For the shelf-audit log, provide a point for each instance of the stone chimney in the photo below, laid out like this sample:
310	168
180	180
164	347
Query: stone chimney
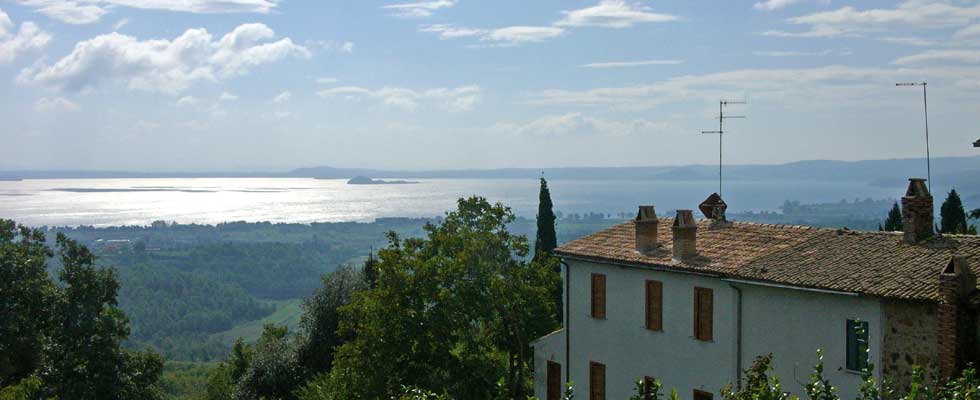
646	230
956	283
685	231
917	212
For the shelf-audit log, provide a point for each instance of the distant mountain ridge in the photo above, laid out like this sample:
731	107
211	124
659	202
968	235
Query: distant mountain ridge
871	171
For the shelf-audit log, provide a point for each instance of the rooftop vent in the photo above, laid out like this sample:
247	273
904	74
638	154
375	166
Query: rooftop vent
917	212
646	230
685	230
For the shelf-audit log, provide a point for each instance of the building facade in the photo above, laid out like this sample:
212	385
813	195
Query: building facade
693	303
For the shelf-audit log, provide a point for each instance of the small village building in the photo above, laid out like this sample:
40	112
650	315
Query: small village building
694	302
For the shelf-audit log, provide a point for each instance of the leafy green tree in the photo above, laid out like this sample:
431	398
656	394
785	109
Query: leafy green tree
453	312
26	293
757	383
371	270
951	214
546	241
274	372
321	318
84	358
894	221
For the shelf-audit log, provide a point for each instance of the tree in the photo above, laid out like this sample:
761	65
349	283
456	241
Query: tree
26	292
274	372
371	270
951	214
85	358
546	241
453	312
894	221
321	318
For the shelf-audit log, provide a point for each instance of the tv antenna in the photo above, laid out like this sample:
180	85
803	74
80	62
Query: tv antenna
721	132
925	108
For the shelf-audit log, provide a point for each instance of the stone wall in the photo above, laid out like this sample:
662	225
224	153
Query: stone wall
909	339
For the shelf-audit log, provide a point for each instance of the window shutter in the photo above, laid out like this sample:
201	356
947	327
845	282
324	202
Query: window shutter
701	395
554	381
655	305
857	345
597	381
598	296
703	314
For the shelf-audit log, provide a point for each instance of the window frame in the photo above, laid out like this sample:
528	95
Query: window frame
702	333
856	357
598	296
654	309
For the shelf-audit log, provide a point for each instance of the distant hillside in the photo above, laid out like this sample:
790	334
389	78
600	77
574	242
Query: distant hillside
962	170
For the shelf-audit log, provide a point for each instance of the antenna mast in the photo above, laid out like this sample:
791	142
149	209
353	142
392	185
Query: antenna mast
925	109
721	132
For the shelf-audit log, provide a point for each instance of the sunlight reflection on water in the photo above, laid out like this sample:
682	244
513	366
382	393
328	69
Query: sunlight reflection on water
107	202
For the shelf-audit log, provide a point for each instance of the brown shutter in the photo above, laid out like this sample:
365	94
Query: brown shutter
701	395
703	314
554	381
655	305
598	296
597	381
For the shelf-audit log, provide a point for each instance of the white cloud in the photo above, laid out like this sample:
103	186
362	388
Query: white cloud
916	14
326	80
944	56
29	37
452	32
909	41
54	104
770	5
187	101
829	85
90	11
159	65
283	97
333	46
620	64
462	98
120	24
419	9
576	124
613	14
969	32
507	36
225	96
522	34
793	53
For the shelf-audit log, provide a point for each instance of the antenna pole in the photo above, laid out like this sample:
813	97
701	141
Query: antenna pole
721	132
925	109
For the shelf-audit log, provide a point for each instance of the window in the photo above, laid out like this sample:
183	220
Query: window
701	395
597	381
598	296
857	345
703	310
554	381
655	305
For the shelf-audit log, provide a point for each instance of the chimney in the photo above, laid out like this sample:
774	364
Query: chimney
646	230
917	212
713	208
685	231
956	282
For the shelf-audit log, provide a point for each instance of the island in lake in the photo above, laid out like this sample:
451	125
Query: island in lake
363	180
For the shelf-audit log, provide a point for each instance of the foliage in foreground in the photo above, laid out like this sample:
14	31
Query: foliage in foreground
63	339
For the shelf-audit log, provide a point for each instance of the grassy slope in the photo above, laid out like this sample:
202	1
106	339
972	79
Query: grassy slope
287	313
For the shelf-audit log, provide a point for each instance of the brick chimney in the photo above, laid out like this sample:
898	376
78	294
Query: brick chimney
646	230
956	282
685	231
917	212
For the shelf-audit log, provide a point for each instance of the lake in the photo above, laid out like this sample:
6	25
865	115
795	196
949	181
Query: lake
109	202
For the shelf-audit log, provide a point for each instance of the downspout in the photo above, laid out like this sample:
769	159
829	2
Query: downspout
568	309
738	334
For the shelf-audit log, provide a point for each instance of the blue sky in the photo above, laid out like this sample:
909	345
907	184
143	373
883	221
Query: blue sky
276	84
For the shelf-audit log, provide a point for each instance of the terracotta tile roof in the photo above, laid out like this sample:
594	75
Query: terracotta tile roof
872	263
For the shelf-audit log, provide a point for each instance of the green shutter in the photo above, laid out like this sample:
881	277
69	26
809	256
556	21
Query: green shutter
857	345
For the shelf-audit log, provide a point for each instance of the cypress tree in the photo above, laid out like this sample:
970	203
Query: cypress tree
546	241
371	270
952	217
894	221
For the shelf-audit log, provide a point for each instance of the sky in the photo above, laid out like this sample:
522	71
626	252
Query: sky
246	85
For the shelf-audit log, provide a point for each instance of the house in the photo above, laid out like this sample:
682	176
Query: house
694	302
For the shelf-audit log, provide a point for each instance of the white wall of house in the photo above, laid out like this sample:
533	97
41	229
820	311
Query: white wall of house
548	348
789	323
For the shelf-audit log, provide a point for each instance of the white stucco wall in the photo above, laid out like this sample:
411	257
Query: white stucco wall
547	348
789	323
